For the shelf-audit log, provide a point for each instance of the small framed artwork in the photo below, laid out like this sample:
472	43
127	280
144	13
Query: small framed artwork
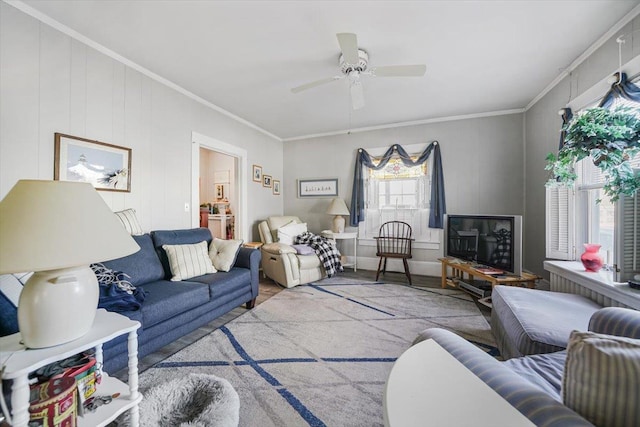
318	187
257	173
266	181
105	166
219	191
276	187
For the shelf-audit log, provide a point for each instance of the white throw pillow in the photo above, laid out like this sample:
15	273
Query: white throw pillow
129	221
187	261
223	253
289	231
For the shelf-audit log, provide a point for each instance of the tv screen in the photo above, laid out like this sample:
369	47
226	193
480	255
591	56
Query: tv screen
488	240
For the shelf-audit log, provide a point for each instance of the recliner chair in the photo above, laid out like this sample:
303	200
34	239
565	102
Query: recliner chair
281	262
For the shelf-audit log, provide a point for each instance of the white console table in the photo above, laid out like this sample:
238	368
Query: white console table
218	225
20	361
428	386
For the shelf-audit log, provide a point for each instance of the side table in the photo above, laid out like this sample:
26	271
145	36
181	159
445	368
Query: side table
20	361
346	236
253	245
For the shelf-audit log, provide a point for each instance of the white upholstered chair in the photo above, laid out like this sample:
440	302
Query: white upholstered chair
281	262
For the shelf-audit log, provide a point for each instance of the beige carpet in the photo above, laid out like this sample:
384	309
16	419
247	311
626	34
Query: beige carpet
320	354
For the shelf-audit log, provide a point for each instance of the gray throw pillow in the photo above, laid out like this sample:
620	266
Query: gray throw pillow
601	378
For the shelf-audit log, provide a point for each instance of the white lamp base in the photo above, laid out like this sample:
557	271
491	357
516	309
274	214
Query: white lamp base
57	306
338	224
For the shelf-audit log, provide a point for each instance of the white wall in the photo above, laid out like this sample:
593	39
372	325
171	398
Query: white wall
543	132
50	82
483	163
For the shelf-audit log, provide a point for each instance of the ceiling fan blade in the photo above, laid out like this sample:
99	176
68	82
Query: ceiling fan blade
349	47
316	83
357	95
400	71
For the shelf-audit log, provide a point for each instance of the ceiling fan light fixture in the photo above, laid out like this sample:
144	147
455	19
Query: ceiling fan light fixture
363	62
354	63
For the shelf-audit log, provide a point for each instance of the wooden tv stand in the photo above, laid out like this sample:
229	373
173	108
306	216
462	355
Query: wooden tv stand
459	268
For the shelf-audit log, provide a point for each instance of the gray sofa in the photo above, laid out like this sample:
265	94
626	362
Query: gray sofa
533	383
173	309
170	309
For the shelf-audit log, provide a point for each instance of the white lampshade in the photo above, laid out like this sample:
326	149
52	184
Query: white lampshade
57	229
338	208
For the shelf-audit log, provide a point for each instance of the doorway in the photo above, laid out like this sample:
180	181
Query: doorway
219	172
218	193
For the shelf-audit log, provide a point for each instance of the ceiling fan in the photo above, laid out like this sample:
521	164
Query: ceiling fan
354	64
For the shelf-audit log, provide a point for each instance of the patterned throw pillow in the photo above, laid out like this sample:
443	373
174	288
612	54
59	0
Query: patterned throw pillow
187	261
601	378
129	221
223	253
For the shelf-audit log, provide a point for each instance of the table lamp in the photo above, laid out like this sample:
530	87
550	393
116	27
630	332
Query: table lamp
338	208
56	229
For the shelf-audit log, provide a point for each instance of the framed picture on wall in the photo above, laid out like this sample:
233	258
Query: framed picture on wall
105	166
318	187
276	187
257	173
266	181
219	191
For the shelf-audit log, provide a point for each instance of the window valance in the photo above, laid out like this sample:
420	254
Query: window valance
364	159
623	89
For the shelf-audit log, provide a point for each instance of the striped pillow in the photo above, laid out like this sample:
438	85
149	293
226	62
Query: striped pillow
601	378
129	221
187	261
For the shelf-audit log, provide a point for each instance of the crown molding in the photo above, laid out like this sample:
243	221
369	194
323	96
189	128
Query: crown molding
410	123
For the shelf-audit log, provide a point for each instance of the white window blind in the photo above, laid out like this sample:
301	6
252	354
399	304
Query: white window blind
560	226
628	238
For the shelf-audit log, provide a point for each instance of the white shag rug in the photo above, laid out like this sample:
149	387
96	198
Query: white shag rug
194	400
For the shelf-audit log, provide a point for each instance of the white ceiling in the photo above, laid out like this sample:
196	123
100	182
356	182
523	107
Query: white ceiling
245	56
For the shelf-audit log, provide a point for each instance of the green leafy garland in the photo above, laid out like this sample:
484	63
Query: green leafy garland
610	138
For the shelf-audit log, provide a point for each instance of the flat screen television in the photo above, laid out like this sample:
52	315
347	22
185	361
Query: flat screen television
488	240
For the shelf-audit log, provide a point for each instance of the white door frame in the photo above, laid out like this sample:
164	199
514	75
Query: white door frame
203	141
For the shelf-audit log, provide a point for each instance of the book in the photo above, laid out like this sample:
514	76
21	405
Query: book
489	270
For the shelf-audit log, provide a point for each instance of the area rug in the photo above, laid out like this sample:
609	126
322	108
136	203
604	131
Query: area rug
320	354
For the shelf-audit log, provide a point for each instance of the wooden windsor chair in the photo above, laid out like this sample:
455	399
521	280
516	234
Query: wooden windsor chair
394	241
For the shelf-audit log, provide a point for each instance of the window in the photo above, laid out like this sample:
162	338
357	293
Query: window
615	226
398	193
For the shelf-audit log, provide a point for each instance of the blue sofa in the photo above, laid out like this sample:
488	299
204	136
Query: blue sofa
533	384
173	309
170	309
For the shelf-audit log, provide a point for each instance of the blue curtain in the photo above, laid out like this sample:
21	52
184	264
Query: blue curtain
622	88
567	115
363	159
